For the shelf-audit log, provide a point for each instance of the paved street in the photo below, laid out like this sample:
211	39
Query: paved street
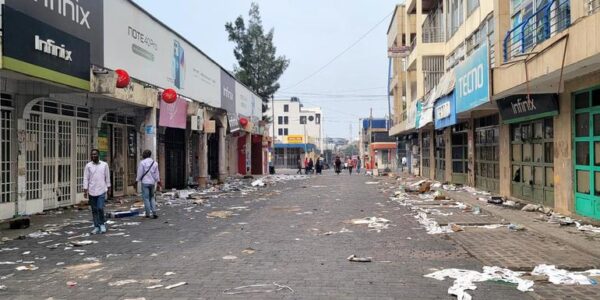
283	229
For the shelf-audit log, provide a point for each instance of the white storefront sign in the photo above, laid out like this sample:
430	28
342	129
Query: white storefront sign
152	53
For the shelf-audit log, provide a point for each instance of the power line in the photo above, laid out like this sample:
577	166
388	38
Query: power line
340	54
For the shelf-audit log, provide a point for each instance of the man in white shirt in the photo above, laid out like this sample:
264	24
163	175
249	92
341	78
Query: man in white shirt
149	176
96	182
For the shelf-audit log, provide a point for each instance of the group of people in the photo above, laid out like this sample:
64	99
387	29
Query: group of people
309	166
96	186
350	165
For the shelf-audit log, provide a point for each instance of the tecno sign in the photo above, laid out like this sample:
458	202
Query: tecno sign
472	85
471	81
49	47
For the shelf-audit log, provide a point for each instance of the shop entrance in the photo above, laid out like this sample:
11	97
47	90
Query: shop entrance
174	141
440	156
213	155
57	149
257	155
460	154
587	153
487	169
532	161
7	183
117	143
241	148
425	153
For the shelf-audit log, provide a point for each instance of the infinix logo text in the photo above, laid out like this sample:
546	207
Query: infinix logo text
48	46
68	9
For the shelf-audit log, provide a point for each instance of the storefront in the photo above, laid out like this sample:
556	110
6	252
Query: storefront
172	143
440	156
445	116
532	145
487	156
586	141
117	143
460	153
7	167
425	153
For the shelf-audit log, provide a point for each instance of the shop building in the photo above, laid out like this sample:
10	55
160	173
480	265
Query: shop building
377	149
519	117
298	132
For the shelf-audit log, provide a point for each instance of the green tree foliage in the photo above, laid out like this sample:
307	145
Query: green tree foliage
258	66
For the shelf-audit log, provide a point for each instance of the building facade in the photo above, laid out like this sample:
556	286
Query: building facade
298	131
377	150
513	81
61	97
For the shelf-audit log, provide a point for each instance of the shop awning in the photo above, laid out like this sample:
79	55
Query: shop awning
445	85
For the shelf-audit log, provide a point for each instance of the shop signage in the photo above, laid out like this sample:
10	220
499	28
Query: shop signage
444	111
472	80
38	49
228	93
519	108
154	54
82	19
174	114
295	139
234	123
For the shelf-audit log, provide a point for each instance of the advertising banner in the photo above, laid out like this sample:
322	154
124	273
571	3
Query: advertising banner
35	48
174	114
519	108
445	111
82	19
243	100
228	93
472	80
154	54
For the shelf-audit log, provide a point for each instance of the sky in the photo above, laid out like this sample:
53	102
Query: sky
311	33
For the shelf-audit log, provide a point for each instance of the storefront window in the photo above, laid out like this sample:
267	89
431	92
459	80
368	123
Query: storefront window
582	124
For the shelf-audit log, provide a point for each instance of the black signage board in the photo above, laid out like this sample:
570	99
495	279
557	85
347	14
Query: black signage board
38	49
80	18
518	108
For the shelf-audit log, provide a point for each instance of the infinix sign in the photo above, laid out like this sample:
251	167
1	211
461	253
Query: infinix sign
48	46
68	9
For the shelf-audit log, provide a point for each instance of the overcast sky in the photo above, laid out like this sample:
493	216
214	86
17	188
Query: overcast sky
310	33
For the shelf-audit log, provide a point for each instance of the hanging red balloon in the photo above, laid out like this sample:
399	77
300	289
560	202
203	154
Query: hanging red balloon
243	122
169	95
122	78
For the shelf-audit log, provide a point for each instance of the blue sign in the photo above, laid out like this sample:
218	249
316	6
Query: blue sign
418	115
444	111
472	80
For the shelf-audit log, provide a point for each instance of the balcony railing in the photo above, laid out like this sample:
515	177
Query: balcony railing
593	6
549	20
433	35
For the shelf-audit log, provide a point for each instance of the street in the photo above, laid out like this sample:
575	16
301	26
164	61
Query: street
290	240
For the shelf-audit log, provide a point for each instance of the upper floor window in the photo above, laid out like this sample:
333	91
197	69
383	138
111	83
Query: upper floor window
286	120
286	108
285	131
280	131
280	120
472	5
318	119
302	119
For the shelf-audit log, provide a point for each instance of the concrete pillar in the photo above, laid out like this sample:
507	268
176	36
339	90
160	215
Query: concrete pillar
148	140
431	153
504	159
222	153
501	27
202	159
448	139
471	152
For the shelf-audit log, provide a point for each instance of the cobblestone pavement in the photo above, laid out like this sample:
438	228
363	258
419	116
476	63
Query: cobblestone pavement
297	234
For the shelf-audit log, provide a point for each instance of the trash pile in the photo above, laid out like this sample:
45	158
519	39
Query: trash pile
465	279
374	223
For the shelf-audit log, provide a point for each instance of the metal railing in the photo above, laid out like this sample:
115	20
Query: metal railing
433	34
546	22
593	6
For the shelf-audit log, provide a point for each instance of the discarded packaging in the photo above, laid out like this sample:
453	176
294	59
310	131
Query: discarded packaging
122	282
355	258
531	207
516	227
560	276
223	214
495	200
123	214
375	223
456	227
229	257
172	286
257	288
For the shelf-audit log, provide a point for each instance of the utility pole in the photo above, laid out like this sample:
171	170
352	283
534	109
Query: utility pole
273	140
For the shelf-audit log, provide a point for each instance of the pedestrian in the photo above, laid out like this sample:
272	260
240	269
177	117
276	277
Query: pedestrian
306	165
311	165
299	160
319	166
149	177
96	183
358	165
338	165
350	166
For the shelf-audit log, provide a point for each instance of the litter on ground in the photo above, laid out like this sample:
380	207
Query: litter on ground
257	288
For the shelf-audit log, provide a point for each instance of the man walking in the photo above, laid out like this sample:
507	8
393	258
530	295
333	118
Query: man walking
149	176
96	182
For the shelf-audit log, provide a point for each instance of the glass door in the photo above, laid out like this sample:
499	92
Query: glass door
587	153
440	156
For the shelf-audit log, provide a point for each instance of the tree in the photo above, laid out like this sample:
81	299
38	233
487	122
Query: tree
258	66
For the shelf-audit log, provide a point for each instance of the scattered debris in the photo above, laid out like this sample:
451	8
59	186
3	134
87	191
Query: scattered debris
456	227
560	276
26	268
71	283
82	243
495	200
248	251
172	286
122	282
355	258
257	288
531	207
375	223
154	286
516	227
229	257
258	182
223	214
2	287
590	228
372	182
169	273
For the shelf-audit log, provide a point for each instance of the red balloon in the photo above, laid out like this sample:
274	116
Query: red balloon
122	78
243	122
169	95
